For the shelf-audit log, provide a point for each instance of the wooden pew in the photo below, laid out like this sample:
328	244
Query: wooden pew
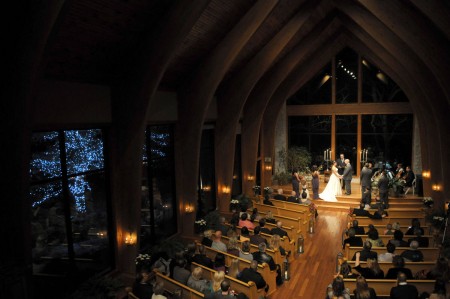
383	286
292	232
403	212
300	225
274	253
382	227
291	206
301	212
413	266
386	238
285	243
238	286
401	220
172	285
268	275
430	254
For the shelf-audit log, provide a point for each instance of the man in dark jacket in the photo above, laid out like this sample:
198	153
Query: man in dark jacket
413	254
366	253
262	225
403	290
293	198
352	240
202	259
280	195
423	241
383	188
279	231
251	274
365	178
256	237
359	230
262	257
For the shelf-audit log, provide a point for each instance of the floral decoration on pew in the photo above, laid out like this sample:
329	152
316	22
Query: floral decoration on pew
200	225
268	190
313	209
234	205
428	201
257	190
143	261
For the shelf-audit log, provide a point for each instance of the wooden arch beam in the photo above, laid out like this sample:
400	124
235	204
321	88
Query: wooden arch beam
437	12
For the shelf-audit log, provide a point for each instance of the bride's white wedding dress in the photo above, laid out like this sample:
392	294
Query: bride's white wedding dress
333	187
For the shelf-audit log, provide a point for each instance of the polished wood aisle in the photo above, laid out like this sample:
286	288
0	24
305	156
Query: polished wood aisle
312	271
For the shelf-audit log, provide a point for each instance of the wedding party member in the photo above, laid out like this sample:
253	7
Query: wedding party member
383	189
365	178
315	182
296	182
347	177
333	187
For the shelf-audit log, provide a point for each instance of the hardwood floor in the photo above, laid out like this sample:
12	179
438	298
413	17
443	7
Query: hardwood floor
313	270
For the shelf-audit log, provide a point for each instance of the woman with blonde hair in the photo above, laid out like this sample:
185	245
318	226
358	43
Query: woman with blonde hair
196	282
233	247
233	270
275	242
218	277
372	271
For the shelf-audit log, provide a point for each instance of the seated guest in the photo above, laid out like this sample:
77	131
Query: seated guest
279	195
387	257
304	189
233	247
304	198
375	239
251	274
362	290
371	228
267	201
180	273
366	253
143	287
217	279
217	242
219	262
379	213
337	289
279	231
262	257
413	254
345	270
398	240
389	230
207	237
223	227
275	242
396	226
399	266
223	292
255	215
415	224
361	212
158	291
245	234
256	237
179	255
201	258
245	222
269	218
233	270
234	220
197	282
423	241
440	270
359	230
403	290
352	240
244	253
293	198
366	197
372	271
262	225
190	252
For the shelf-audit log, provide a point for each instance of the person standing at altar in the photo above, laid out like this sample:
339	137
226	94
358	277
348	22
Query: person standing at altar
296	182
340	167
365	178
347	177
383	188
315	182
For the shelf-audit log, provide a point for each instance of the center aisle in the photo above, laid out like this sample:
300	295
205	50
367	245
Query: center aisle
313	270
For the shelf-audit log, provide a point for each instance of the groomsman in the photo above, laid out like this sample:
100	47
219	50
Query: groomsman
383	188
341	166
347	177
365	178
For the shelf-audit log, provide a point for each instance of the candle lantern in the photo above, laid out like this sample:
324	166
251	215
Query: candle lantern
311	226
287	275
300	244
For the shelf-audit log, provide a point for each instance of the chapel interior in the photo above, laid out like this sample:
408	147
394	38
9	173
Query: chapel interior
125	121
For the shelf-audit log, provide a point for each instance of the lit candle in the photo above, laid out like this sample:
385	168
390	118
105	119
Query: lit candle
324	157
360	155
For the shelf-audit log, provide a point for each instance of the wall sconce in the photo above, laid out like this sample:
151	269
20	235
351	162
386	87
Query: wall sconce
206	188
189	209
235	177
426	174
268	167
130	239
436	187
250	177
225	189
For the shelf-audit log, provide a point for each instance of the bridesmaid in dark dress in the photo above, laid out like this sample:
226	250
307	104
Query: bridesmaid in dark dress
296	183
315	182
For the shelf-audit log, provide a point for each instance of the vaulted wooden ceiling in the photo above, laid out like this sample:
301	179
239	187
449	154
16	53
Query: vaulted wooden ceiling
97	37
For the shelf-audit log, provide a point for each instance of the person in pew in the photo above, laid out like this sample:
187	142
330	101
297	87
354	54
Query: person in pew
398	240
372	271
440	290
255	215
371	229
267	201
374	238
217	242
279	195
189	253
423	241
201	258
275	242
197	282
366	196
245	222
403	290
399	266
143	286
218	277
269	217
304	199
396	226
389	255
234	220
207	237
245	234
337	289
232	246
219	262
293	198
244	253
366	253
389	230
224	292
440	270
362	290
279	231
415	224
352	240
256	237
262	225
345	270
413	254
251	274
233	270
222	226
359	230
262	257
158	291
180	273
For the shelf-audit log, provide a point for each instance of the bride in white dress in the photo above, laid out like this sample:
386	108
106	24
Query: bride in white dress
333	187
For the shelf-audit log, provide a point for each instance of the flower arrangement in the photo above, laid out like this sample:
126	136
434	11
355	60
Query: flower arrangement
428	201
268	190
143	260
257	190
200	226
350	212
234	204
201	222
438	221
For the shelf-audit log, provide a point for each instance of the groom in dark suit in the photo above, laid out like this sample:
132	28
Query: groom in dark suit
365	178
347	177
341	166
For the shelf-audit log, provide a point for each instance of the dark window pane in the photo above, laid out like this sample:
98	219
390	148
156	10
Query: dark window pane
379	87
45	160
346	76
207	194
84	150
346	137
315	91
